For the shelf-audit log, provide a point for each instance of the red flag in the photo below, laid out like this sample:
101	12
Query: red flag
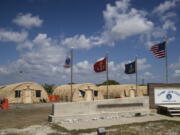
100	66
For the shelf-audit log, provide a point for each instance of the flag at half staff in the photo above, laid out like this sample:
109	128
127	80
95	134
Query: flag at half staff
130	68
159	50
100	66
67	62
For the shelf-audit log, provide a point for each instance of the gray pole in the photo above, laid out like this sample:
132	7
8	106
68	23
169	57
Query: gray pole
136	73
71	72
107	77
166	51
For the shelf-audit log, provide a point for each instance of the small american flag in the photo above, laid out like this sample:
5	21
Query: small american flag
159	50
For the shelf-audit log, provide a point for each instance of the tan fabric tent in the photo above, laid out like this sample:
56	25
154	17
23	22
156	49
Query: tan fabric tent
64	91
80	92
120	91
25	92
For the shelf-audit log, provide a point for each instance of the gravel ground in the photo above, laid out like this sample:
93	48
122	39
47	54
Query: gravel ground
23	115
95	123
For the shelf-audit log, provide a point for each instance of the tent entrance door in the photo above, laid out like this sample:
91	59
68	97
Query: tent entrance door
27	96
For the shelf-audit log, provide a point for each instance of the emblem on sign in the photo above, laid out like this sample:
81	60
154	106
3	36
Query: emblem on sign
169	96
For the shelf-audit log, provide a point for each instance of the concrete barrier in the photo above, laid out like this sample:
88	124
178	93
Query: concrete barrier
124	106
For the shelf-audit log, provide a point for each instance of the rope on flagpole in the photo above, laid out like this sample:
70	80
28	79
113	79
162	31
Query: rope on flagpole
136	73
71	73
107	77
166	61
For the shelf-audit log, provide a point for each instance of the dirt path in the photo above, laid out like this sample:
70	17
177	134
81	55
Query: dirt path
24	116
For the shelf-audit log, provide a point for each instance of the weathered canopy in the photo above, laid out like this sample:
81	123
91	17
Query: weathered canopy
25	92
80	92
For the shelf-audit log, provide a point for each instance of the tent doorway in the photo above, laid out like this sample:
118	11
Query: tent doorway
89	95
132	93
27	96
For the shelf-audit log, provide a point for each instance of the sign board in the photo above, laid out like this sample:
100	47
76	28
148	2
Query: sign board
167	95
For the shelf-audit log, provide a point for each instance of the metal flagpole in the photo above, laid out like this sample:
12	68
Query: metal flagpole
166	51
71	72
136	73
107	77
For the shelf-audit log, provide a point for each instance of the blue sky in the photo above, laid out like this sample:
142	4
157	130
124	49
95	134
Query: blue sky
36	36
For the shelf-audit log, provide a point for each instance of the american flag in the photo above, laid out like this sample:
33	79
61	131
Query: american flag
159	50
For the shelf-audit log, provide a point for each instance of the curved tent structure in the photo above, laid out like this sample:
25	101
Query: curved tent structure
80	92
64	91
25	92
120	91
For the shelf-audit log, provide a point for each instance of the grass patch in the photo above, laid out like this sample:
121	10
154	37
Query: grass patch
58	128
72	132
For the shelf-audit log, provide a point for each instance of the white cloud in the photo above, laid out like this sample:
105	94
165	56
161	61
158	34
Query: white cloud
169	25
147	74
174	69
142	64
175	65
27	20
45	50
164	25
11	36
147	77
3	70
26	44
168	15
167	5
44	58
176	73
122	21
83	67
43	61
42	40
78	41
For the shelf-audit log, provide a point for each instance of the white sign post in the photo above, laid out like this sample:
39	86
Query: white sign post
167	95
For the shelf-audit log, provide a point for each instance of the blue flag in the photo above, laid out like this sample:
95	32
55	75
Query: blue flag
67	62
130	68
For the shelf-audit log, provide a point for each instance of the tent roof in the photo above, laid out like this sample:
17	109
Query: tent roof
5	90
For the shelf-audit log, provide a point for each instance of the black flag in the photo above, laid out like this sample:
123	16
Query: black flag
130	68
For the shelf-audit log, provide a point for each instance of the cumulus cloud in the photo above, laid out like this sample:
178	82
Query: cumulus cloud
78	41
169	25
43	61
168	15
142	64
44	58
177	73
164	25
175	69
12	36
175	65
122	21
167	5
3	70
28	20
45	50
26	44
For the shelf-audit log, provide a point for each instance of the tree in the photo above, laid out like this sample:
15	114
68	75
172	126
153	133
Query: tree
49	88
110	82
